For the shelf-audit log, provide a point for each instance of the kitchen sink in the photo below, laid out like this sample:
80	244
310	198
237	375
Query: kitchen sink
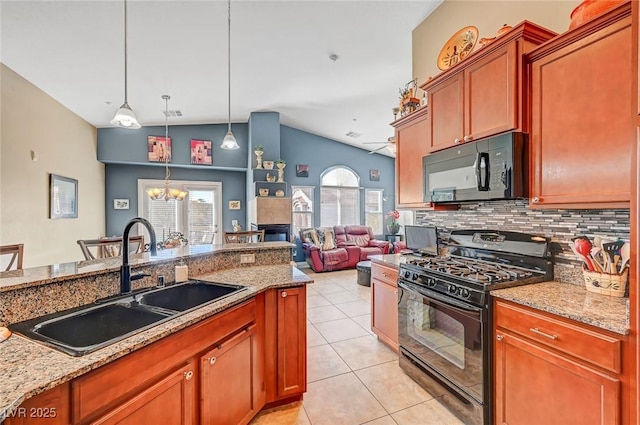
188	295
85	329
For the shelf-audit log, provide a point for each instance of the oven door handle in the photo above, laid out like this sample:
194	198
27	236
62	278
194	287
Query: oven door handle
449	302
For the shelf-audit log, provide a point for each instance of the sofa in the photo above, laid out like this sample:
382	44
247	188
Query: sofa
340	247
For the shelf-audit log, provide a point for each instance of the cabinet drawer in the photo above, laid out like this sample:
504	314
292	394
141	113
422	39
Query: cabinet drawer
385	274
587	345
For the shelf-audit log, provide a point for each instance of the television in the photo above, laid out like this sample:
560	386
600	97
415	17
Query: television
422	240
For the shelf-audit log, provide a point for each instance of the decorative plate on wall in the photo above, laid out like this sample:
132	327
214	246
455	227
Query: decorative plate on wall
457	47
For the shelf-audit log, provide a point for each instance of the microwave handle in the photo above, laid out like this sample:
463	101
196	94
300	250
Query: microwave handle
482	176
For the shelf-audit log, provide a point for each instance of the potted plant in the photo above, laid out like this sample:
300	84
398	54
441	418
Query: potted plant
393	227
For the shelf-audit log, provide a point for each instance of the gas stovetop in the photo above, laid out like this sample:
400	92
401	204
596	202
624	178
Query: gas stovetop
481	261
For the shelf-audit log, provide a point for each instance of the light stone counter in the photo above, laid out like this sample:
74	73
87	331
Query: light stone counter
572	302
29	368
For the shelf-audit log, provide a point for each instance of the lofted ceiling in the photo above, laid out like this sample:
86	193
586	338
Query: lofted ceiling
280	59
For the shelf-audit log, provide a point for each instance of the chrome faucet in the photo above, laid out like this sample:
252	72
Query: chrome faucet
125	269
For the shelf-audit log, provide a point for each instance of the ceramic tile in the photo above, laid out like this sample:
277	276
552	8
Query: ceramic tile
432	409
289	414
392	387
317	301
323	314
342	297
355	308
323	362
327	288
363	352
364	321
385	420
313	336
338	330
343	400
364	292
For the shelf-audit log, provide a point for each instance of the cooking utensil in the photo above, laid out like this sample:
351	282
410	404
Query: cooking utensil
596	254
625	254
613	250
583	248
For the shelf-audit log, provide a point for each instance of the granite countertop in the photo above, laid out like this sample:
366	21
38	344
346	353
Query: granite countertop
572	302
29	368
33	276
391	260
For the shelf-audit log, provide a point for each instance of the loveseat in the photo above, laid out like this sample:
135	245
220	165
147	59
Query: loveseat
339	247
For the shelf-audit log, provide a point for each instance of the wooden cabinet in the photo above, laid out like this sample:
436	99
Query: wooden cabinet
411	146
48	408
171	400
549	370
234	362
286	344
384	304
485	94
635	58
582	131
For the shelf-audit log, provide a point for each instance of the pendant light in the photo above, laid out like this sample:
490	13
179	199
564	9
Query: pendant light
125	117
166	193
229	141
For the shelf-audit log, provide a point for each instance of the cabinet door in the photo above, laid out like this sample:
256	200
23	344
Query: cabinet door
534	386
169	401
48	408
230	383
582	130
291	342
411	146
384	314
446	112
491	94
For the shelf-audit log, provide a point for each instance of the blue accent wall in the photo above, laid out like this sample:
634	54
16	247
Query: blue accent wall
320	153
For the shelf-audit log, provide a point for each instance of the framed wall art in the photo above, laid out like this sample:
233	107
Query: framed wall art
234	205
63	197
374	175
121	204
201	152
302	170
159	149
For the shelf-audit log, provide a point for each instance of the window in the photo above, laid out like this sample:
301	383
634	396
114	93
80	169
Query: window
301	207
373	210
197	217
339	197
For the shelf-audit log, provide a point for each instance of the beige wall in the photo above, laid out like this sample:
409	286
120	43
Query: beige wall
66	145
488	16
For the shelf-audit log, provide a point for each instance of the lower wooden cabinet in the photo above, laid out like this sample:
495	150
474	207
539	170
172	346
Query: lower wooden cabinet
541	376
384	304
235	363
48	408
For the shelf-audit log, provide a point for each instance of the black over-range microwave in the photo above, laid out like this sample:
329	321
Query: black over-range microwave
489	169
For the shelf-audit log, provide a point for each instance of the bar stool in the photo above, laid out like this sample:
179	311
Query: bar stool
109	247
244	237
16	251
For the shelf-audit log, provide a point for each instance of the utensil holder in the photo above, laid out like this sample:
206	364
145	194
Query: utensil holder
613	285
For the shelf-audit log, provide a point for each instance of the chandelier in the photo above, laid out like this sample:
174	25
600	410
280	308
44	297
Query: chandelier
229	141
166	193
125	117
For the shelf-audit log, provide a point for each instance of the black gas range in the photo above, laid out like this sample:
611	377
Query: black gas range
444	312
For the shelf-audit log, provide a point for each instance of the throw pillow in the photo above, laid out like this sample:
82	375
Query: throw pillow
310	235
327	238
360	240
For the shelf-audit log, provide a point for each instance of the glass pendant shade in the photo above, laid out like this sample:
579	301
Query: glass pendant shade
229	141
125	117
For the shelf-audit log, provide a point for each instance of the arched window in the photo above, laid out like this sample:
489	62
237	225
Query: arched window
339	197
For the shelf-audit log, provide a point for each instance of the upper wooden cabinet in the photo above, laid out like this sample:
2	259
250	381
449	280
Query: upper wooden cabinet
582	132
635	57
411	146
485	94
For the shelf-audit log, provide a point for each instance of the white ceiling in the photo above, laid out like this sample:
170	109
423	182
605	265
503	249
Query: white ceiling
74	51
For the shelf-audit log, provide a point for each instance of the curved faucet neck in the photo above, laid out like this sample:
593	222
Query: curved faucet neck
125	238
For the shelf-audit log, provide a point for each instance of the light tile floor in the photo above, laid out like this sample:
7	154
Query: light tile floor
352	378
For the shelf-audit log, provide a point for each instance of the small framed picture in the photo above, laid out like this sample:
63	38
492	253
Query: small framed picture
234	205
63	197
302	170
374	175
159	149
201	152
121	204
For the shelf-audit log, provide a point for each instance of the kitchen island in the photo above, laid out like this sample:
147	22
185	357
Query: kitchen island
275	294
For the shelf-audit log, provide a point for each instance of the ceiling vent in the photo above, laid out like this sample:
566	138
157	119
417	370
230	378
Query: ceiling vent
173	113
353	134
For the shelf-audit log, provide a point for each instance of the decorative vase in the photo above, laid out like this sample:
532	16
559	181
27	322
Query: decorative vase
589	9
281	166
259	158
393	229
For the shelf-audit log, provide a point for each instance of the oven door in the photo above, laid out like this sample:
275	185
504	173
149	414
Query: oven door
443	335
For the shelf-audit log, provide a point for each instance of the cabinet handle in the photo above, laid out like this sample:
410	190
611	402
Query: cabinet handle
212	360
188	375
456	140
468	138
535	200
395	292
284	294
546	335
499	337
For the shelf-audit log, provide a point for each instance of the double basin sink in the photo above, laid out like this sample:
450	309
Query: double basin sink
85	329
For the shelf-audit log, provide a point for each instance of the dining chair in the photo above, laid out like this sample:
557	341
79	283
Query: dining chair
248	236
16	251
109	247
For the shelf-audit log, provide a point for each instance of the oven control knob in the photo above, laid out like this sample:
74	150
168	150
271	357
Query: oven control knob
465	293
431	282
407	274
452	289
416	277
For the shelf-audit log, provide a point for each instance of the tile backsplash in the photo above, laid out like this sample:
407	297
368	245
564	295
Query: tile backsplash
516	216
